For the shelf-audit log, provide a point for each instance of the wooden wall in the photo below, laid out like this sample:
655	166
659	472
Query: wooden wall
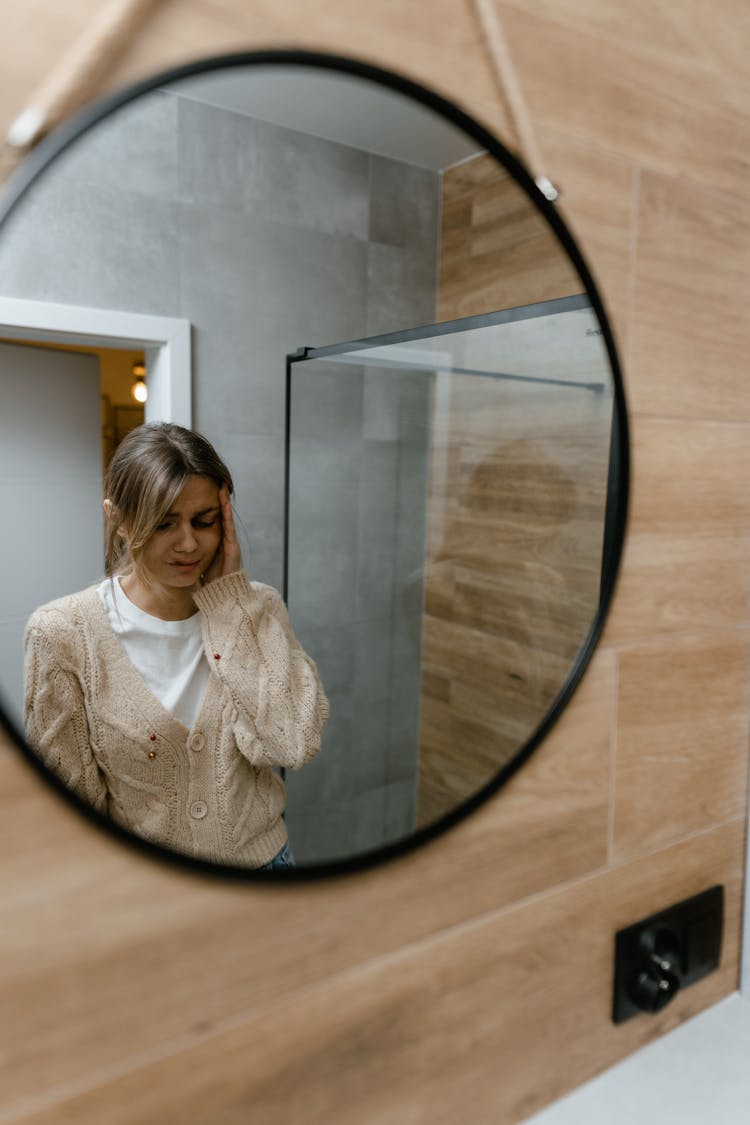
471	981
496	252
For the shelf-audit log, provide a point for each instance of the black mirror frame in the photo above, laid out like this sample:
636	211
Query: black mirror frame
616	518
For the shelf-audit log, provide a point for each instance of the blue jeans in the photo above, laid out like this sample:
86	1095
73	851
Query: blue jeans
284	858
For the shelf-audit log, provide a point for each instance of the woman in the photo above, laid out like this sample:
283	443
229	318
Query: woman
169	695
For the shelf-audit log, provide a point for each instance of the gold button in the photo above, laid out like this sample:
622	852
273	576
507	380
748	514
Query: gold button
152	754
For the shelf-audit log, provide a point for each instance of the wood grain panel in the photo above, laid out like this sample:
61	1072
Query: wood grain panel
656	93
701	45
689	534
515	511
683	725
423	1030
511	588
691	336
106	955
138	993
680	584
686	477
599	200
496	251
36	34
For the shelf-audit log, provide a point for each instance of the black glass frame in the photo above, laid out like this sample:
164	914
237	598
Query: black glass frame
44	155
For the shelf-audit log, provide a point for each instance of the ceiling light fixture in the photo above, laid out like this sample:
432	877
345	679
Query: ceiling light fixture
139	390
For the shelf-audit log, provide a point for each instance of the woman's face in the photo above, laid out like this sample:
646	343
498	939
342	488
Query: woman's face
185	542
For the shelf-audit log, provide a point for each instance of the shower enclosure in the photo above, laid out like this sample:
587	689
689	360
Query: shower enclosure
447	496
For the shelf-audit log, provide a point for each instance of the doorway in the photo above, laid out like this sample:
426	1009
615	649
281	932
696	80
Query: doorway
53	446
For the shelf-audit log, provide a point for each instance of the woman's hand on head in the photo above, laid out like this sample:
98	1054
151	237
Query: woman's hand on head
227	558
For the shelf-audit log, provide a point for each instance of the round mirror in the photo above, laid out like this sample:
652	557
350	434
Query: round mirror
401	370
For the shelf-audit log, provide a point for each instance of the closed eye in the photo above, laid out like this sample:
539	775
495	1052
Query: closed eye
196	523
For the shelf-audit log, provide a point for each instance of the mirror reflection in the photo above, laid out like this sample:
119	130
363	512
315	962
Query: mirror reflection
450	582
405	406
169	695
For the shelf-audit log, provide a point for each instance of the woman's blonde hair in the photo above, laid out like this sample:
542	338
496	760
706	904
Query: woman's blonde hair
149	469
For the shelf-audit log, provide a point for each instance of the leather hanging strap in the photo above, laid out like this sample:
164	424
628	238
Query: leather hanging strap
506	77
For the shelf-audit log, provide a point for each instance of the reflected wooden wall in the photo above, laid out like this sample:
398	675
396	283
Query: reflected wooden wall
516	504
514	549
494	251
470	981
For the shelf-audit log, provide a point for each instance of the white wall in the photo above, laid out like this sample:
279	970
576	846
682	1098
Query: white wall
50	491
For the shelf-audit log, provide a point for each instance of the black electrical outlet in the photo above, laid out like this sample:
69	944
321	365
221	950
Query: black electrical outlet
659	955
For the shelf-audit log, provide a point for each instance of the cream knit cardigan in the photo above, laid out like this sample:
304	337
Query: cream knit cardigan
210	791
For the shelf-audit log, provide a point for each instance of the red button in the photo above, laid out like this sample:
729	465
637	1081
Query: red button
217	656
152	737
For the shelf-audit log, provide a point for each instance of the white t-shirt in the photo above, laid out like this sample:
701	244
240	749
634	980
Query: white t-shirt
168	654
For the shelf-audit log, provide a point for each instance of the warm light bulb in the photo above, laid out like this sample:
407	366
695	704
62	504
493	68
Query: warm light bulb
139	390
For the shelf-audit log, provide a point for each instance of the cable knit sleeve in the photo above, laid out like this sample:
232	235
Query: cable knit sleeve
54	711
279	703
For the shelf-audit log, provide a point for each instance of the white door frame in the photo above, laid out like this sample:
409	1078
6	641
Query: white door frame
164	339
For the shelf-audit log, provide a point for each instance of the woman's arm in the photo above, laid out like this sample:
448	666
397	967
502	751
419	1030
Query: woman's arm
55	716
281	708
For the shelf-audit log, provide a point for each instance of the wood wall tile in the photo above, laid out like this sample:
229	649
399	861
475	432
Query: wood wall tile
135	953
682	739
685	564
700	46
640	94
555	810
496	250
686	477
691	334
680	584
463	1027
598	200
516	500
38	33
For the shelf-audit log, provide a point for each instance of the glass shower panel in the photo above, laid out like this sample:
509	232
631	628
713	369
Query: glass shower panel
447	497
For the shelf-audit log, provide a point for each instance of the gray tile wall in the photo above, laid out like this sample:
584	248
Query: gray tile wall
267	239
360	443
